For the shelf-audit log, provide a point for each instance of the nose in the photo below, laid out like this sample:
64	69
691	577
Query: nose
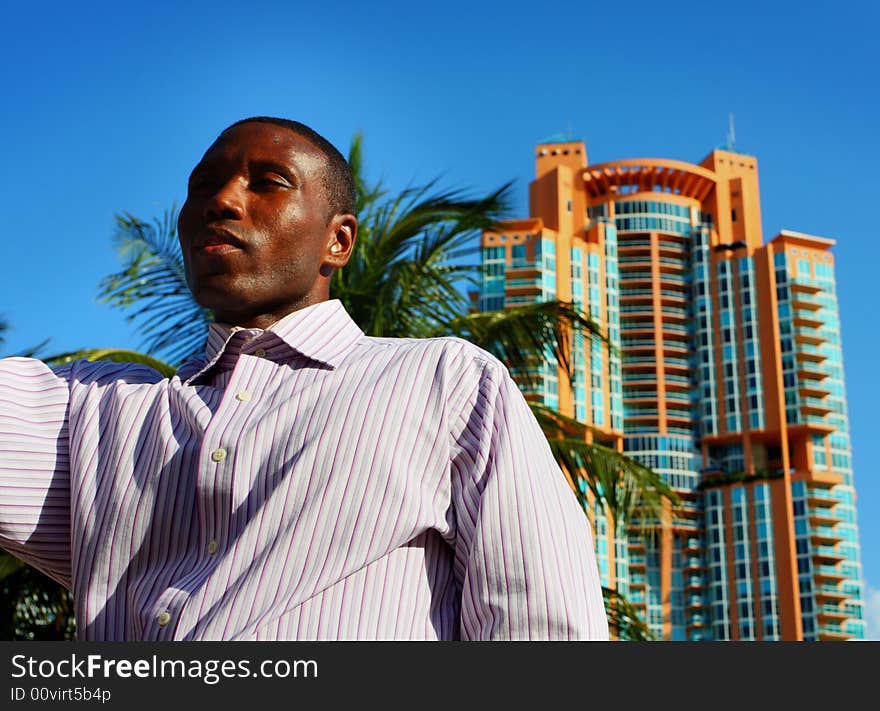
226	203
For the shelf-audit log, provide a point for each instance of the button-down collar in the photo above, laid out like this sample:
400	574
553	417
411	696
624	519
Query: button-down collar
323	332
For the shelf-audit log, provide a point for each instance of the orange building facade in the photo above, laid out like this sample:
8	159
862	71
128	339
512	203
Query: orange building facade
727	380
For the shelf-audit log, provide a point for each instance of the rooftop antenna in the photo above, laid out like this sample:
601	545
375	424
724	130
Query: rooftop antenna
731	134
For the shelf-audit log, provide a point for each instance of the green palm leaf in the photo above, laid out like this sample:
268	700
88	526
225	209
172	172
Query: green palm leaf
8	564
152	288
623	618
414	254
633	493
523	336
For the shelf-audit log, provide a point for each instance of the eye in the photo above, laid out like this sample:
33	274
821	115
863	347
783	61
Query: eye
270	180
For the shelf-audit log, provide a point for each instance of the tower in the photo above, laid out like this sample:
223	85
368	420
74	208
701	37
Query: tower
728	381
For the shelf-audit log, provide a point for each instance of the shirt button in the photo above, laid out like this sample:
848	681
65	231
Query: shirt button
163	618
218	455
243	396
260	353
213	547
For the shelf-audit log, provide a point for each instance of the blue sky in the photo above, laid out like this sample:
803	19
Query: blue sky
107	108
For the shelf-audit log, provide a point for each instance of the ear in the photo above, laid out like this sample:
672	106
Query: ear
341	234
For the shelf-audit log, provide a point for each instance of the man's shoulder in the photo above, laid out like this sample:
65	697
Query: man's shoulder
103	372
447	348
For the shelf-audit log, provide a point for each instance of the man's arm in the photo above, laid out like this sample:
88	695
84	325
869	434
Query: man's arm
34	466
524	552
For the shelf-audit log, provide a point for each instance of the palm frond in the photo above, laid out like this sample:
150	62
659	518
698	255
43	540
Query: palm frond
633	493
405	275
152	288
9	564
523	336
623	618
366	195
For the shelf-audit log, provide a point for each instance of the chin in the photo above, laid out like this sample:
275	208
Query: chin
221	299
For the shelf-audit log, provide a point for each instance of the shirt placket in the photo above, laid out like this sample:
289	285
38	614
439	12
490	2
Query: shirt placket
218	481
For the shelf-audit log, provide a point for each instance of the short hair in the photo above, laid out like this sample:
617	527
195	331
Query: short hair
338	180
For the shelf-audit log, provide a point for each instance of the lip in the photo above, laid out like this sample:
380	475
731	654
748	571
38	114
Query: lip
217	240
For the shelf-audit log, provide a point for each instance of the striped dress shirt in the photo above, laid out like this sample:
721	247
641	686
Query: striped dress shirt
302	482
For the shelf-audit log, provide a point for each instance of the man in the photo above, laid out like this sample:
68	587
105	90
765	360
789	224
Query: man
302	481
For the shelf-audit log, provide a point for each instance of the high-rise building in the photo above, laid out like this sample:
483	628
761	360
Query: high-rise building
728	380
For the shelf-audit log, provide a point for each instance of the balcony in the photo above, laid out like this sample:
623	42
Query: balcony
639	399
636	379
675	348
809	369
689	508
636	296
676	365
817	497
812	389
671	298
639	278
634	247
826	554
522	285
673	249
815	406
808	336
802	301
830	593
635	256
807	321
677	333
638	328
825	536
813	357
679	397
674	315
678	389
675	266
831	612
685	525
694	583
637	312
640	363
802	287
675	328
822	517
639	345
828	572
828	635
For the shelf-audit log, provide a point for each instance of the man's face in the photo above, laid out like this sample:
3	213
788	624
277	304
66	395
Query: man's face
257	238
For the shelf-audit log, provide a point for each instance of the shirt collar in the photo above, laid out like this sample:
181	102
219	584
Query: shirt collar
323	332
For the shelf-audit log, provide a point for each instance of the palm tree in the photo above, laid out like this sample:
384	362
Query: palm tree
152	288
415	256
